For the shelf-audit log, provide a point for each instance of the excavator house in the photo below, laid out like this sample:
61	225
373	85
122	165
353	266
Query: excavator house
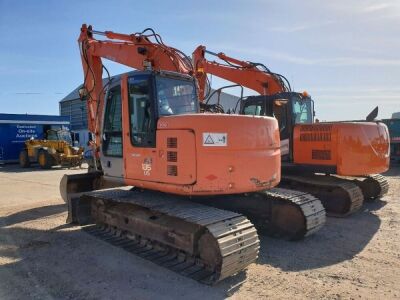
351	153
153	149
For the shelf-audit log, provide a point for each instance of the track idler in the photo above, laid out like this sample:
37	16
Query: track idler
373	187
73	186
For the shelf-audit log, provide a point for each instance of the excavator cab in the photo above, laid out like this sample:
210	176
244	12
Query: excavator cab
288	108
149	96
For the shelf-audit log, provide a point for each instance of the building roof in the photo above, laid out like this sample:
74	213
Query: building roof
34	119
74	95
396	115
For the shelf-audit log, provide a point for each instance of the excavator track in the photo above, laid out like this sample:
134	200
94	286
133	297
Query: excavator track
311	207
204	243
340	197
276	212
373	186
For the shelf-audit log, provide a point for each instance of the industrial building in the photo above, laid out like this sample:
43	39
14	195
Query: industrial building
72	107
15	129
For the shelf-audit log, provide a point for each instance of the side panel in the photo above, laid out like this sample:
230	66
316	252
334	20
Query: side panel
172	161
234	154
355	149
315	144
177	158
363	148
13	137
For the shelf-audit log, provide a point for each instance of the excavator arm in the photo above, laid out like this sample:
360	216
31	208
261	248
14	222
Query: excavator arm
135	50
244	73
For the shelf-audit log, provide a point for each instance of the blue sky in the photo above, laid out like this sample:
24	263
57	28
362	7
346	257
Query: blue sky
346	54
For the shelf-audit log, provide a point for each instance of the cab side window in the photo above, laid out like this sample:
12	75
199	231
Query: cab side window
112	130
253	109
141	111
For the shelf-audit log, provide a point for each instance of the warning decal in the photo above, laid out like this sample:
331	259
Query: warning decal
212	139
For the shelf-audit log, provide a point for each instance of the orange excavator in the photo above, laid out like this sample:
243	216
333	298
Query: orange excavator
335	161
154	151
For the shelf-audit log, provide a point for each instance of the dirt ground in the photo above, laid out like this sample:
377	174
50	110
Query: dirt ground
43	258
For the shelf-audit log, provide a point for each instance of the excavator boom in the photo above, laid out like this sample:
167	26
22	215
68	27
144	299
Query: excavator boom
240	72
135	50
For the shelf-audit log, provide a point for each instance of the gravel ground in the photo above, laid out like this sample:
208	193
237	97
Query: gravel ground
43	258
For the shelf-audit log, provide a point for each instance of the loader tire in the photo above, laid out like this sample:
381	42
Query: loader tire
45	160
24	159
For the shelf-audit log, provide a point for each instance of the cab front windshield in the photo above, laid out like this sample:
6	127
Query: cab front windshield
175	96
302	110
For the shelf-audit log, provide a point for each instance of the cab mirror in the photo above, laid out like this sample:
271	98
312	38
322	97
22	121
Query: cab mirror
83	93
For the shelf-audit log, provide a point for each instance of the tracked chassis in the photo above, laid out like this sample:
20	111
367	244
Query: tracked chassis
340	197
201	242
276	212
373	186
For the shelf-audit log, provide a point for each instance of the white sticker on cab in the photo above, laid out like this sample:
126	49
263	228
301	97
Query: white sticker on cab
213	139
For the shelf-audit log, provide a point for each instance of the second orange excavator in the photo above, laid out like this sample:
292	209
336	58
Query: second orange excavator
352	153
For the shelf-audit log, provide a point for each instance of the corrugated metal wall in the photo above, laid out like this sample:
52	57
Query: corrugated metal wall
76	110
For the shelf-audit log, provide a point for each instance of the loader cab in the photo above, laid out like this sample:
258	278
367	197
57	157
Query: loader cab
288	108
134	103
59	135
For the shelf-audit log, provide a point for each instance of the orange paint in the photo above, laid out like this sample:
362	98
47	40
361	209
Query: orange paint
357	148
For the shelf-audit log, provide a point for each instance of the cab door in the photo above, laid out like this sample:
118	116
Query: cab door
165	155
140	154
111	147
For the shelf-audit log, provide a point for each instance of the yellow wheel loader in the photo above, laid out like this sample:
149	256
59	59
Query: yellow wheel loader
55	149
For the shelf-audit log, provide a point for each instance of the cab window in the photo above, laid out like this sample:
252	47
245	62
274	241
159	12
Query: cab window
112	130
141	112
302	111
253	109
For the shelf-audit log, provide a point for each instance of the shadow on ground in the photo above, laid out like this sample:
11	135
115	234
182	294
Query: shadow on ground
32	214
340	240
65	263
